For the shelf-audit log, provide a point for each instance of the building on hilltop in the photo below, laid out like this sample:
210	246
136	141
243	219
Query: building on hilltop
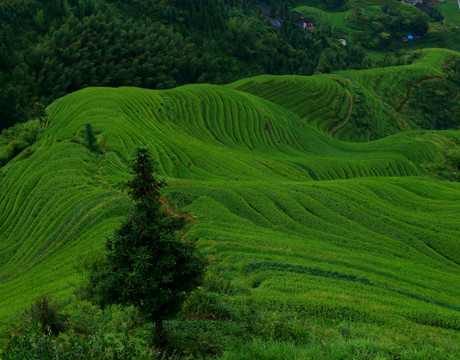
274	22
306	23
303	23
265	11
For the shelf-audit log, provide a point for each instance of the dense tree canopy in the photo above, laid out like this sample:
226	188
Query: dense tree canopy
53	47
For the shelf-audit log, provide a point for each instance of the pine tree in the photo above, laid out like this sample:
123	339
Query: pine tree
147	265
39	111
90	138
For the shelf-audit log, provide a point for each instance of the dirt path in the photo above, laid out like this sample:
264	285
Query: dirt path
170	211
447	64
347	117
409	86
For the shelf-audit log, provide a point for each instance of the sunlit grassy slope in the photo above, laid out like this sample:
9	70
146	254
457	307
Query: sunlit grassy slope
303	222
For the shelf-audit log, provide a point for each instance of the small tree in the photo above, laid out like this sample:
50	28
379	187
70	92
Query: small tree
147	265
90	137
39	111
47	314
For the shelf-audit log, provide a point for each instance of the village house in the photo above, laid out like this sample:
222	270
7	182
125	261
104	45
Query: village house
273	21
304	23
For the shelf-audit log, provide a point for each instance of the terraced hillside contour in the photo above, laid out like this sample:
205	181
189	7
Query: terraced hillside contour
304	223
326	101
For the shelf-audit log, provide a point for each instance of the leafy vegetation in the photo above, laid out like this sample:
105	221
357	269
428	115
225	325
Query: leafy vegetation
17	138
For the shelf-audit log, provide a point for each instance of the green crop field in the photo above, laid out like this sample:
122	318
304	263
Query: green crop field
324	18
326	101
450	10
299	227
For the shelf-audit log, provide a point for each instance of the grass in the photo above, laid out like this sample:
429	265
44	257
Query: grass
307	232
450	10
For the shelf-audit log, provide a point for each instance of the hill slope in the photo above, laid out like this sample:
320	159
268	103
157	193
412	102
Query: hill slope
360	105
293	221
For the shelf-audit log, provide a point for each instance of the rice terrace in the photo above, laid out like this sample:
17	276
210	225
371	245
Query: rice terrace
326	208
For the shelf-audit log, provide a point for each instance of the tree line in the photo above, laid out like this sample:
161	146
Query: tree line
53	47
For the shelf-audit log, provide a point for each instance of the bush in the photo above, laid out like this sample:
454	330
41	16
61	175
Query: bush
90	138
34	344
47	315
206	305
16	139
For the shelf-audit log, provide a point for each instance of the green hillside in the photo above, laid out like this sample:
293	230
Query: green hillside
360	105
314	237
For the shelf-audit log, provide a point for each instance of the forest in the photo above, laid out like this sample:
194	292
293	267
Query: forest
54	47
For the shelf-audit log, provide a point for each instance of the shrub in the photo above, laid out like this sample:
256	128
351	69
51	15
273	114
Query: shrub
47	315
90	137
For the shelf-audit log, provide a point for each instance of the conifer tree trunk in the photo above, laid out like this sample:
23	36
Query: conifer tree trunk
160	332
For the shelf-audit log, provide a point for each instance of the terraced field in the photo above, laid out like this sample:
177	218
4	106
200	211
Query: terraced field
335	20
298	222
451	11
325	101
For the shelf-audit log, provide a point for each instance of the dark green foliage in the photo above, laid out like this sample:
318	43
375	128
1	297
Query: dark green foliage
434	104
419	25
361	115
273	9
204	304
47	315
378	28
147	265
17	138
38	111
180	199
90	137
204	339
33	344
89	334
453	158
